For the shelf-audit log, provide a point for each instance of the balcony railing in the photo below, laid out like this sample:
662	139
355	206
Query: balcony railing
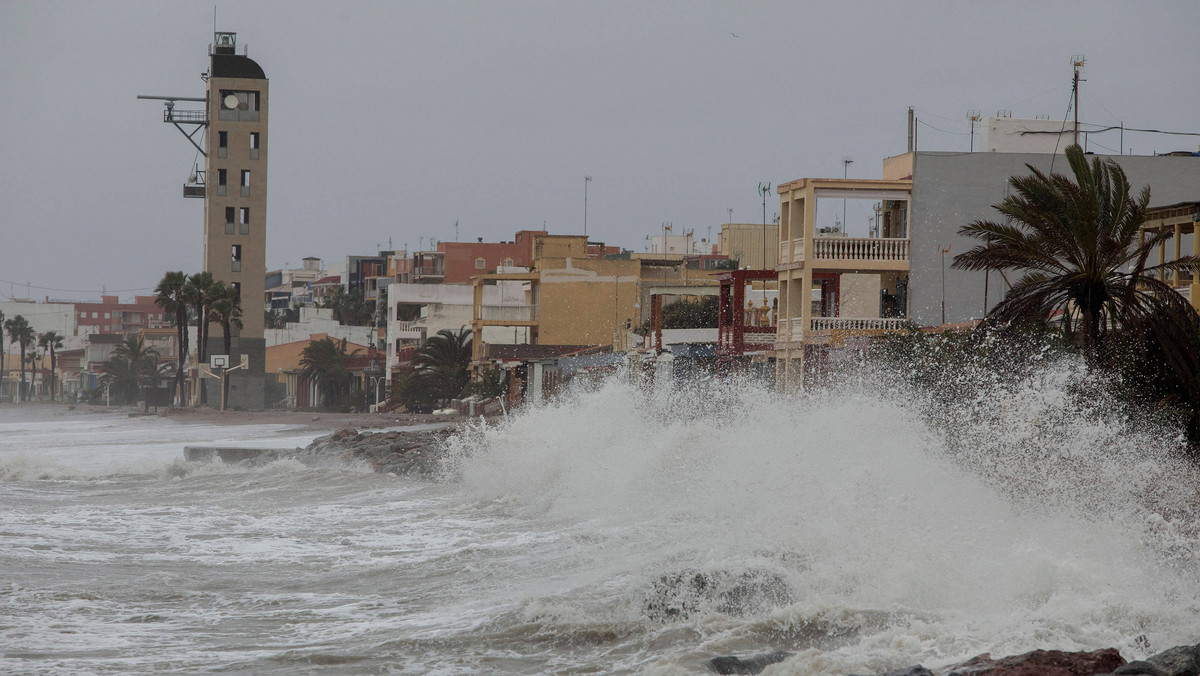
185	116
857	324
860	249
508	313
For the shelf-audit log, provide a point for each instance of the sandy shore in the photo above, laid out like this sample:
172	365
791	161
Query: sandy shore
309	419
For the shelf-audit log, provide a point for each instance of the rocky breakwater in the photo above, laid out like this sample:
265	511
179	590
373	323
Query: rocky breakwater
407	453
1178	661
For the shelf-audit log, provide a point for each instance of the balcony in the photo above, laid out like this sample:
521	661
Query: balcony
857	324
185	116
508	313
860	249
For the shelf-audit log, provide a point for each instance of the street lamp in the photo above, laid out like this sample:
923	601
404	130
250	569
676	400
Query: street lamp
586	180
846	162
764	189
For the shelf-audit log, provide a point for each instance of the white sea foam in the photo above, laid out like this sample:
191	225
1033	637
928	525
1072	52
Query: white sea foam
618	530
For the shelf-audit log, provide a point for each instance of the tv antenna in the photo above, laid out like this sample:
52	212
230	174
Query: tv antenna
973	116
1077	62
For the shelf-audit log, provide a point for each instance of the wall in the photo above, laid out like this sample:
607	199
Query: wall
585	300
860	295
952	189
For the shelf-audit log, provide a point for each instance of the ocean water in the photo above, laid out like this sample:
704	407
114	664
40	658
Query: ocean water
616	531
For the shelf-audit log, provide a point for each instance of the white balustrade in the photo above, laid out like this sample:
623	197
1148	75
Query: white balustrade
857	324
860	248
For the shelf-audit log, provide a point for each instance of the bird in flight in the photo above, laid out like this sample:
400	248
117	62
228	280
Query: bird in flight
734	34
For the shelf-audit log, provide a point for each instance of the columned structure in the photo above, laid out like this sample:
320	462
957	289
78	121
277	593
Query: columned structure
832	285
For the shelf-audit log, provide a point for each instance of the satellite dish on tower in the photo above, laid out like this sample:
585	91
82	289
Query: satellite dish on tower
231	101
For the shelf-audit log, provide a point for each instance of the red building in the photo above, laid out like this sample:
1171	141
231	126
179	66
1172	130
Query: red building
112	316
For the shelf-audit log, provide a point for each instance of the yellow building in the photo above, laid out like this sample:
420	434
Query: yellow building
1180	220
753	245
574	300
832	285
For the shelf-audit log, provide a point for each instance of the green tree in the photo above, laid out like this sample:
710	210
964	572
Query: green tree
324	362
442	365
21	333
131	367
172	298
51	342
1077	244
1083	257
199	290
687	314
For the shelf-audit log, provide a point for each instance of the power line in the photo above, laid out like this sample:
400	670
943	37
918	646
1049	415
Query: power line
50	288
944	131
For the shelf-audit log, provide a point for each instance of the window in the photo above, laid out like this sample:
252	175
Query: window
245	183
222	144
244	226
221	177
480	264
254	145
236	256
238	106
508	262
108	315
230	218
237	289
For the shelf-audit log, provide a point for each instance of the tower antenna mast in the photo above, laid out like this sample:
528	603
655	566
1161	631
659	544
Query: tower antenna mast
1077	62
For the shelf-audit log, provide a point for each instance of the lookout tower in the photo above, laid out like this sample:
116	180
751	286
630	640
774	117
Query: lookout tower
233	185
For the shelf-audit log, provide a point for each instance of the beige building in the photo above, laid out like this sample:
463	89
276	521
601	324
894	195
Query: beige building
753	245
574	300
1180	221
832	285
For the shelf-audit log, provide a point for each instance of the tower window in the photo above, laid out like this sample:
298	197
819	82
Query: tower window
222	176
236	258
254	145
222	144
245	183
230	217
237	289
238	105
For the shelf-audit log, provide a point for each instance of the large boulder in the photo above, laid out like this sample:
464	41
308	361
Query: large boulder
750	665
1181	660
1041	663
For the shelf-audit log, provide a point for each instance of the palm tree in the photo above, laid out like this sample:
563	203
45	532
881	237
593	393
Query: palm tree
1077	243
20	332
442	364
324	362
172	297
51	342
226	310
131	366
199	289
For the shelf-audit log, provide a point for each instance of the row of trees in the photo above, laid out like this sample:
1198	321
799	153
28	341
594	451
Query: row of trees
21	333
203	300
440	371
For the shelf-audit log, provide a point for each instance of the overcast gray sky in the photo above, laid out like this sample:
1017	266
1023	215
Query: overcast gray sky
393	120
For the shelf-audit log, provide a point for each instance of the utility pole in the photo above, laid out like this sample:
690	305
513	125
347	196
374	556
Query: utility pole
586	180
973	116
764	189
1077	62
846	162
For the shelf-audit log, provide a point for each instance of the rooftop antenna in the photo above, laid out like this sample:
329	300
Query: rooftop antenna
456	230
1077	62
973	116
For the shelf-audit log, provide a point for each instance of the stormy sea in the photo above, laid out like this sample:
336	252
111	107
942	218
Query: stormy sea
619	529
